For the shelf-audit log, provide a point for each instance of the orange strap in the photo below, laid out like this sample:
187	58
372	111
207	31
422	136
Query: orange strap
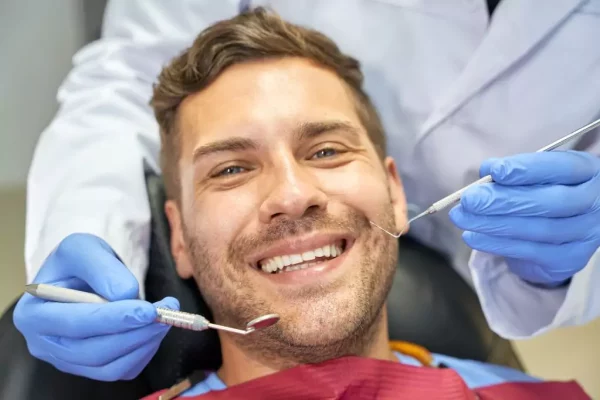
420	353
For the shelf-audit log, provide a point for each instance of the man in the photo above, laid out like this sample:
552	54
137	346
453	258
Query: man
274	161
456	83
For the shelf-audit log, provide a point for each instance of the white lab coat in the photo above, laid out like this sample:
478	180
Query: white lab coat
453	89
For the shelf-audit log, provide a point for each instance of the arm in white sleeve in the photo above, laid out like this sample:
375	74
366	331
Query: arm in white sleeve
516	309
87	173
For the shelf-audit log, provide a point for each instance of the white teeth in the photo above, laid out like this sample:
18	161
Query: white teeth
279	262
272	266
298	267
294	262
296	258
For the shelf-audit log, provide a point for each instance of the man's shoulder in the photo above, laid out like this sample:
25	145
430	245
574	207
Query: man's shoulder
477	374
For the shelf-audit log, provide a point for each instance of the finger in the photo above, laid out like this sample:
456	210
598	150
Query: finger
90	259
23	317
530	201
142	361
535	273
78	320
26	299
168	302
535	229
564	258
554	167
127	367
73	283
101	350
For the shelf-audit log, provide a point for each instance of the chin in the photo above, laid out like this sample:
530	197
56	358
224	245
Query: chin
331	318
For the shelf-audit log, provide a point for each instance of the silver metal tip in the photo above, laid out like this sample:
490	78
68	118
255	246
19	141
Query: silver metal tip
31	288
394	235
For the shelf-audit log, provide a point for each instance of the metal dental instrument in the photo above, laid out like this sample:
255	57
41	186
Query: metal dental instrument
455	197
166	316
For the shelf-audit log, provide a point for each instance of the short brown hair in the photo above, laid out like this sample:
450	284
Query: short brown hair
254	35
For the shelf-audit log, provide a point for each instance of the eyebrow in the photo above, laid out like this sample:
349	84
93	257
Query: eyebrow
305	131
225	145
311	130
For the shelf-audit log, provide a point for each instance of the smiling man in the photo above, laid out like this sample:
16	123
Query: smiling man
274	163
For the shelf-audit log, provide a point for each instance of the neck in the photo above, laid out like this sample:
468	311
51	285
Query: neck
240	366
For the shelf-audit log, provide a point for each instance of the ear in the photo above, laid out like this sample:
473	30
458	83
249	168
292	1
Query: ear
396	193
178	246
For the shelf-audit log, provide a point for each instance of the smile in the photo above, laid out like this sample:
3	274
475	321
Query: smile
298	261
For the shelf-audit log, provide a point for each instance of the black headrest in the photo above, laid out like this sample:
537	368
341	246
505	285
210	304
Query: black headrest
429	304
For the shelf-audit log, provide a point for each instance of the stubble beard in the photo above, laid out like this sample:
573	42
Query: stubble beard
328	325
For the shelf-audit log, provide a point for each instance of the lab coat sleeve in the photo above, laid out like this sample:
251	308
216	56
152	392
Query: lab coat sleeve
87	173
518	310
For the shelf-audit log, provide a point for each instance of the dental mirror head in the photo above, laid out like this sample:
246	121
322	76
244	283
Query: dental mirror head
262	322
256	324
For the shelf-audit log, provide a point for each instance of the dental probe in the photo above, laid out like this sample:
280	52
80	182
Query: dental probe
455	197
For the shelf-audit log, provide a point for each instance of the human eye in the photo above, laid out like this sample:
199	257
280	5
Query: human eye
231	170
325	153
330	155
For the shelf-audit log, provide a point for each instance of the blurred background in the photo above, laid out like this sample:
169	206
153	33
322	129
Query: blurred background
36	48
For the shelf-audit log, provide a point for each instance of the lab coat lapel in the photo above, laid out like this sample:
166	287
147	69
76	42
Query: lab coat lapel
512	35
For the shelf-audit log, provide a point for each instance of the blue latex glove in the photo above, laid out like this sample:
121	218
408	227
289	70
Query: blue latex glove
106	342
542	213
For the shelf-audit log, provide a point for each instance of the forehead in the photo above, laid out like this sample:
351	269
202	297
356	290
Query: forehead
264	98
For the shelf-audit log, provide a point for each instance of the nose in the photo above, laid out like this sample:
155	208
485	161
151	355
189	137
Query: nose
293	193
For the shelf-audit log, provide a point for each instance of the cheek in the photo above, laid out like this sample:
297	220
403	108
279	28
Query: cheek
220	216
358	186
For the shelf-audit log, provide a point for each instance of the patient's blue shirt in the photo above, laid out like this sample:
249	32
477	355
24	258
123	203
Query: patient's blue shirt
475	374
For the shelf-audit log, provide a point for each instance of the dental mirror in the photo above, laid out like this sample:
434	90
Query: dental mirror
262	322
256	324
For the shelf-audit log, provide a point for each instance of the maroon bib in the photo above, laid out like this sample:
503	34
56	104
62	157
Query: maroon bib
350	378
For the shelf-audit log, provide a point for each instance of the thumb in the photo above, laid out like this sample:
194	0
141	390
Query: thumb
486	166
168	302
93	261
107	275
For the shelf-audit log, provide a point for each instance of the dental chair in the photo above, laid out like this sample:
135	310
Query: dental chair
429	305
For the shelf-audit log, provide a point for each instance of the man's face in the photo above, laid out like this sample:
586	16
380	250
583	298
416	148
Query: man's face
279	181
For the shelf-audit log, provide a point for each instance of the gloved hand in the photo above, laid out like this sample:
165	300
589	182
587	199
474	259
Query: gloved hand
106	342
542	213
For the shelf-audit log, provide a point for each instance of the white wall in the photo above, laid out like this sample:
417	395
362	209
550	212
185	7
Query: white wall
37	41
